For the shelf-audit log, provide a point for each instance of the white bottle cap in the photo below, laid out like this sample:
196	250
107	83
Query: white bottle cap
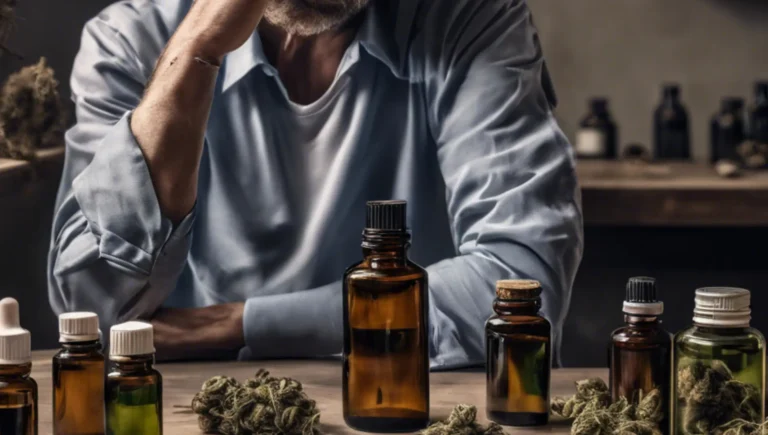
78	327
723	307
131	338
15	342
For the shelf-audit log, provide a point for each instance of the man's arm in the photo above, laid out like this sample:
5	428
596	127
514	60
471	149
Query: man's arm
124	212
512	193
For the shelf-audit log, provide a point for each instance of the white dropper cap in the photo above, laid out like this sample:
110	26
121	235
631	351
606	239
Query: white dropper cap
131	338
78	327
15	341
722	307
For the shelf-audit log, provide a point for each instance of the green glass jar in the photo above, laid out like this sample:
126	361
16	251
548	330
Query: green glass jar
719	364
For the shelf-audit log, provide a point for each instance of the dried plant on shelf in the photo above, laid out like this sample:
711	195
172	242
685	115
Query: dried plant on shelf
31	113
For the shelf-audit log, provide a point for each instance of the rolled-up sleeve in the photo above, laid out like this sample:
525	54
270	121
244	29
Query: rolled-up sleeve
112	250
512	193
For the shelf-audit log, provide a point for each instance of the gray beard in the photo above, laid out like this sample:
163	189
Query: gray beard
310	17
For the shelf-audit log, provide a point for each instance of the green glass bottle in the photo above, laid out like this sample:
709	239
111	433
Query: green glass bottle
719	364
134	389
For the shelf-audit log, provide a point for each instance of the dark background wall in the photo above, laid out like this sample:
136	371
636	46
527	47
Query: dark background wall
620	48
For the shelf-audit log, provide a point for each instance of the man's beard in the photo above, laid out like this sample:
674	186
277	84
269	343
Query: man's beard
310	17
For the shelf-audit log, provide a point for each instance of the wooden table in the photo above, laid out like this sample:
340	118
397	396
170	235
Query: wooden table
617	193
322	382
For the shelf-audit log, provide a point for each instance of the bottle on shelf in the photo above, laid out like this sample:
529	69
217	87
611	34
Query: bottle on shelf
18	391
727	130
78	377
518	356
758	115
641	351
719	357
670	130
134	389
597	137
386	357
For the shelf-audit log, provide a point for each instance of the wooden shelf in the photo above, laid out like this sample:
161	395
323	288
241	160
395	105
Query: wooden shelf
674	194
16	175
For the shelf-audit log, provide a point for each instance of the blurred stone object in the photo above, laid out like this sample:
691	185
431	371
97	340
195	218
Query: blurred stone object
754	154
636	152
31	113
727	168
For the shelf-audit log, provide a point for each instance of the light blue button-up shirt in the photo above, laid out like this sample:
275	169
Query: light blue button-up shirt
443	103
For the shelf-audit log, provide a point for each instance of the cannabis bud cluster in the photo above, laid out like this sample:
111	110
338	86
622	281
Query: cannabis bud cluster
263	405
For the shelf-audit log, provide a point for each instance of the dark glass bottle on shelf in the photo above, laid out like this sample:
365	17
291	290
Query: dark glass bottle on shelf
670	130
18	391
78	377
641	351
727	130
518	356
386	354
758	115
597	137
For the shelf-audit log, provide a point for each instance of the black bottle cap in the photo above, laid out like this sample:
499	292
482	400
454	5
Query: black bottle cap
386	215
641	289
672	90
599	104
732	104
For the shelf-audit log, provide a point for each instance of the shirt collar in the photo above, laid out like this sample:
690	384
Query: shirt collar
378	34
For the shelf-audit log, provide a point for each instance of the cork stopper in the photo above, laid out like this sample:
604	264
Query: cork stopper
517	289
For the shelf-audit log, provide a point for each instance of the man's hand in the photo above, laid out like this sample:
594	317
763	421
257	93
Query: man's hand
214	332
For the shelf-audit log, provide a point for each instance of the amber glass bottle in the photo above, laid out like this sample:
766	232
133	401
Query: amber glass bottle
18	391
518	352
640	352
78	377
134	389
386	361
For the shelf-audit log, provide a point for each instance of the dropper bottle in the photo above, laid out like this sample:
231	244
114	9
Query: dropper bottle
18	391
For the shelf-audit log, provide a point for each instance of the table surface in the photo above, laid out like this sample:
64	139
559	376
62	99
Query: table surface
322	382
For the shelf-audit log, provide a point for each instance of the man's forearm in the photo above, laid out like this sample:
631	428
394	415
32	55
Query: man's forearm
170	123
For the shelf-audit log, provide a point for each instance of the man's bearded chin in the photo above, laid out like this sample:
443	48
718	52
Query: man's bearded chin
310	17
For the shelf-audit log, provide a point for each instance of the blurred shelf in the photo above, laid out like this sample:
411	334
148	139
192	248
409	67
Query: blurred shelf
17	175
674	194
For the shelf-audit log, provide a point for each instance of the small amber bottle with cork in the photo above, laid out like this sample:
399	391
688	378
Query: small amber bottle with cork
78	377
641	351
386	360
518	351
18	391
134	389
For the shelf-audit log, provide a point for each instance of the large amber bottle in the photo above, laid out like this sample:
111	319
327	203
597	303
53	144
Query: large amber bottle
386	361
518	352
641	351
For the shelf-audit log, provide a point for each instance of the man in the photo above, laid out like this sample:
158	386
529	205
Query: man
216	179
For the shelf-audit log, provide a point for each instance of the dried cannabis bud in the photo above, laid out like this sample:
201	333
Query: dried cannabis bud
462	421
713	399
594	414
31	113
263	405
